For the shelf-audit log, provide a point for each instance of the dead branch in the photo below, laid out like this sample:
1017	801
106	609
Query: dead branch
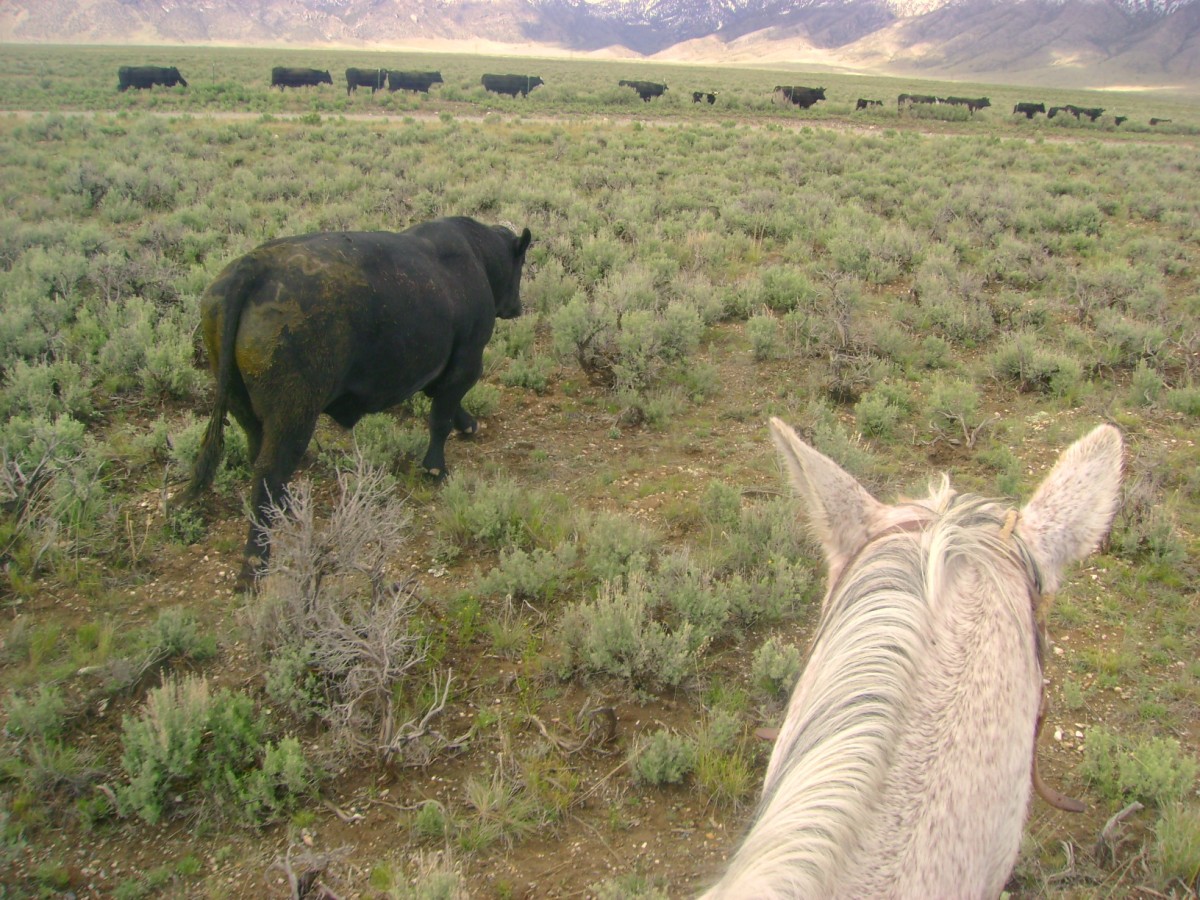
304	884
1110	838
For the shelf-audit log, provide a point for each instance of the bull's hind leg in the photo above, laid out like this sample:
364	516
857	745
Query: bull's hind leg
281	450
239	405
447	412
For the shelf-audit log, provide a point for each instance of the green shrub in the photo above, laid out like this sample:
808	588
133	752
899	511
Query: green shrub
632	886
1176	851
39	715
1145	386
497	514
504	811
293	683
665	758
192	750
1125	343
1151	769
689	594
46	390
772	594
621	344
776	667
531	373
536	575
727	778
615	545
430	821
174	635
880	410
387	445
1145	526
954	410
721	506
1029	368
616	635
1009	472
482	400
1184	400
783	288
763	333
764	534
935	353
550	288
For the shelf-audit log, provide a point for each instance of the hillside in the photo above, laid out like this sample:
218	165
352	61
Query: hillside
1076	43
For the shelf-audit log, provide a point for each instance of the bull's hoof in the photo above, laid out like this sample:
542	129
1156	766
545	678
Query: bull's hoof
248	577
437	475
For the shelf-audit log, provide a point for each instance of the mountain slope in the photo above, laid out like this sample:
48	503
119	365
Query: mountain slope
1138	39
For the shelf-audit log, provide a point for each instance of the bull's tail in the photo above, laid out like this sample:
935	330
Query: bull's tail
235	292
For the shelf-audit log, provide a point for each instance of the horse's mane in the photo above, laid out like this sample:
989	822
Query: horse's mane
878	624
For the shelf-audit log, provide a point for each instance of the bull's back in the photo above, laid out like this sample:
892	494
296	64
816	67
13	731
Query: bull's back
373	314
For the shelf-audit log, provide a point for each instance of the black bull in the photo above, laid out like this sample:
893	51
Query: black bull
296	76
413	81
349	323
142	77
368	78
510	84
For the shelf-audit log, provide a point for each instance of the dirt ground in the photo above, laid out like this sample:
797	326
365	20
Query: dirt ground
568	438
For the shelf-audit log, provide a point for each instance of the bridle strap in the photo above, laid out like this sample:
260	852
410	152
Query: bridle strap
1041	608
1040	604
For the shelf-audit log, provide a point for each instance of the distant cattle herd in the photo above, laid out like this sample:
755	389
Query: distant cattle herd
146	77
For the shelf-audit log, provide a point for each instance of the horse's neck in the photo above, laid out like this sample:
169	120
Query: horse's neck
966	739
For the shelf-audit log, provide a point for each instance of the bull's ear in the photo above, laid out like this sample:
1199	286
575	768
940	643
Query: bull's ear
523	242
1072	509
839	508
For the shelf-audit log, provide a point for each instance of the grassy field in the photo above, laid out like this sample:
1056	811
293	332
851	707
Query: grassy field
542	678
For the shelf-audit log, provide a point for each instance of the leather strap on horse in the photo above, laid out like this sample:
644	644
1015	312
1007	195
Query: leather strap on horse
1041	607
1057	799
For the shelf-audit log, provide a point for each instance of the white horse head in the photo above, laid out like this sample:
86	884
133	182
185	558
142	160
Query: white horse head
904	763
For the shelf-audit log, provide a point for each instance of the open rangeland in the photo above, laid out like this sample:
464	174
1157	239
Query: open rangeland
543	676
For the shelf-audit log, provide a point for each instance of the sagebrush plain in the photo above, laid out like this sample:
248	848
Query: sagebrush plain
542	677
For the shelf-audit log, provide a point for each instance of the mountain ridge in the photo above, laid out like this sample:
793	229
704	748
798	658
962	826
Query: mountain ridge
1155	42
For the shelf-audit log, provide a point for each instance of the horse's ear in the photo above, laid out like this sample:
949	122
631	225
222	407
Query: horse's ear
839	508
1072	509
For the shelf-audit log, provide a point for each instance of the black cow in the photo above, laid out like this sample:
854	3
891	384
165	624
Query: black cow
139	77
710	96
1117	120
417	82
971	103
863	104
910	99
803	97
289	76
1160	121
350	323
647	90
1092	113
370	78
510	84
1028	110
